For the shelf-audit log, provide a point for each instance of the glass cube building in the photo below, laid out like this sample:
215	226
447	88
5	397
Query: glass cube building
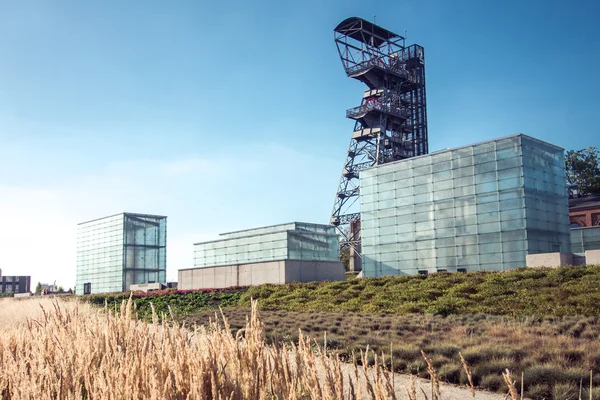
292	241
479	207
118	251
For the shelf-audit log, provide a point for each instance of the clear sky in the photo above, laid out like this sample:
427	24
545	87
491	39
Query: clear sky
230	115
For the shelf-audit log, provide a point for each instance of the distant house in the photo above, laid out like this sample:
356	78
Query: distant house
48	288
584	211
15	284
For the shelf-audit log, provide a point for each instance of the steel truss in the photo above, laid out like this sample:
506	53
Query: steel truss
391	121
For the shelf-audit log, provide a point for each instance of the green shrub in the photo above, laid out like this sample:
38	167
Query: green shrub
495	366
543	374
450	372
538	391
565	391
407	352
586	393
492	382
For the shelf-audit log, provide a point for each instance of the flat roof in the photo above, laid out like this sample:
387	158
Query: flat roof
584	202
271	226
223	236
365	31
123	213
470	145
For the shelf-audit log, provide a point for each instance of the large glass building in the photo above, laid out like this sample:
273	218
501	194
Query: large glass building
479	207
118	251
292	241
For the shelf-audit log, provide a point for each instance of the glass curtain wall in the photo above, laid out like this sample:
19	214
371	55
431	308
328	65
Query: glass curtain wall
546	200
100	255
583	239
298	241
145	249
464	209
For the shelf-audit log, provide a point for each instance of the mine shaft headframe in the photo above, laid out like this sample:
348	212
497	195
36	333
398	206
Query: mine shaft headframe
361	44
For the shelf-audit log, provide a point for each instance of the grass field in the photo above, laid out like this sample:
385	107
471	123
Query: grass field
521	292
558	292
553	353
539	322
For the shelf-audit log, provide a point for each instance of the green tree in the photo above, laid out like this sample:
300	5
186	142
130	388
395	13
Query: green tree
60	289
583	169
38	288
345	257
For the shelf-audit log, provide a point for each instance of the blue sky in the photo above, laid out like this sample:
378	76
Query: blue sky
229	115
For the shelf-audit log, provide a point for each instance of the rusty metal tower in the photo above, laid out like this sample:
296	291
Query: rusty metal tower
391	121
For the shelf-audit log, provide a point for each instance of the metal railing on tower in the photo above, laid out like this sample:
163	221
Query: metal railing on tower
390	122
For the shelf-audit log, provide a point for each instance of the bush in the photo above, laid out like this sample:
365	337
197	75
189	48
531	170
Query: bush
542	373
564	391
495	366
407	353
450	372
586	393
539	391
492	382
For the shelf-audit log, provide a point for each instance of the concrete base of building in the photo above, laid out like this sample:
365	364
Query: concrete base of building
277	272
146	287
592	257
23	295
554	260
549	260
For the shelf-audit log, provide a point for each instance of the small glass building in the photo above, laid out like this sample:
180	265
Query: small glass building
479	207
118	251
583	239
292	241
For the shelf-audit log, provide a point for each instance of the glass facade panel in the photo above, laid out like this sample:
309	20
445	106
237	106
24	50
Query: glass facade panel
483	206
117	251
145	249
583	239
295	241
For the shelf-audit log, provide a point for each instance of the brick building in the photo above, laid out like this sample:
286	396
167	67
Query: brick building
584	211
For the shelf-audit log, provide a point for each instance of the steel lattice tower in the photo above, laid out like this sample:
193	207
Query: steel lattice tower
391	121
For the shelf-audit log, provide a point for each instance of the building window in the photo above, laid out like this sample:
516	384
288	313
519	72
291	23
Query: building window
463	270
87	288
423	272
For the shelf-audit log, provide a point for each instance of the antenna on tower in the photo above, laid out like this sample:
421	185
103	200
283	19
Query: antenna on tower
374	19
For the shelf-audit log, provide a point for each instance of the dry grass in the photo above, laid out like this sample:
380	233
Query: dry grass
73	351
70	351
545	355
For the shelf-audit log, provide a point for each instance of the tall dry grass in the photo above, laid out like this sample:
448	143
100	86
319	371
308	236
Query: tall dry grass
66	350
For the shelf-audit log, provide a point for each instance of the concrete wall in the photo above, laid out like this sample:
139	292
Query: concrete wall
146	287
232	275
277	272
310	271
549	260
592	257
